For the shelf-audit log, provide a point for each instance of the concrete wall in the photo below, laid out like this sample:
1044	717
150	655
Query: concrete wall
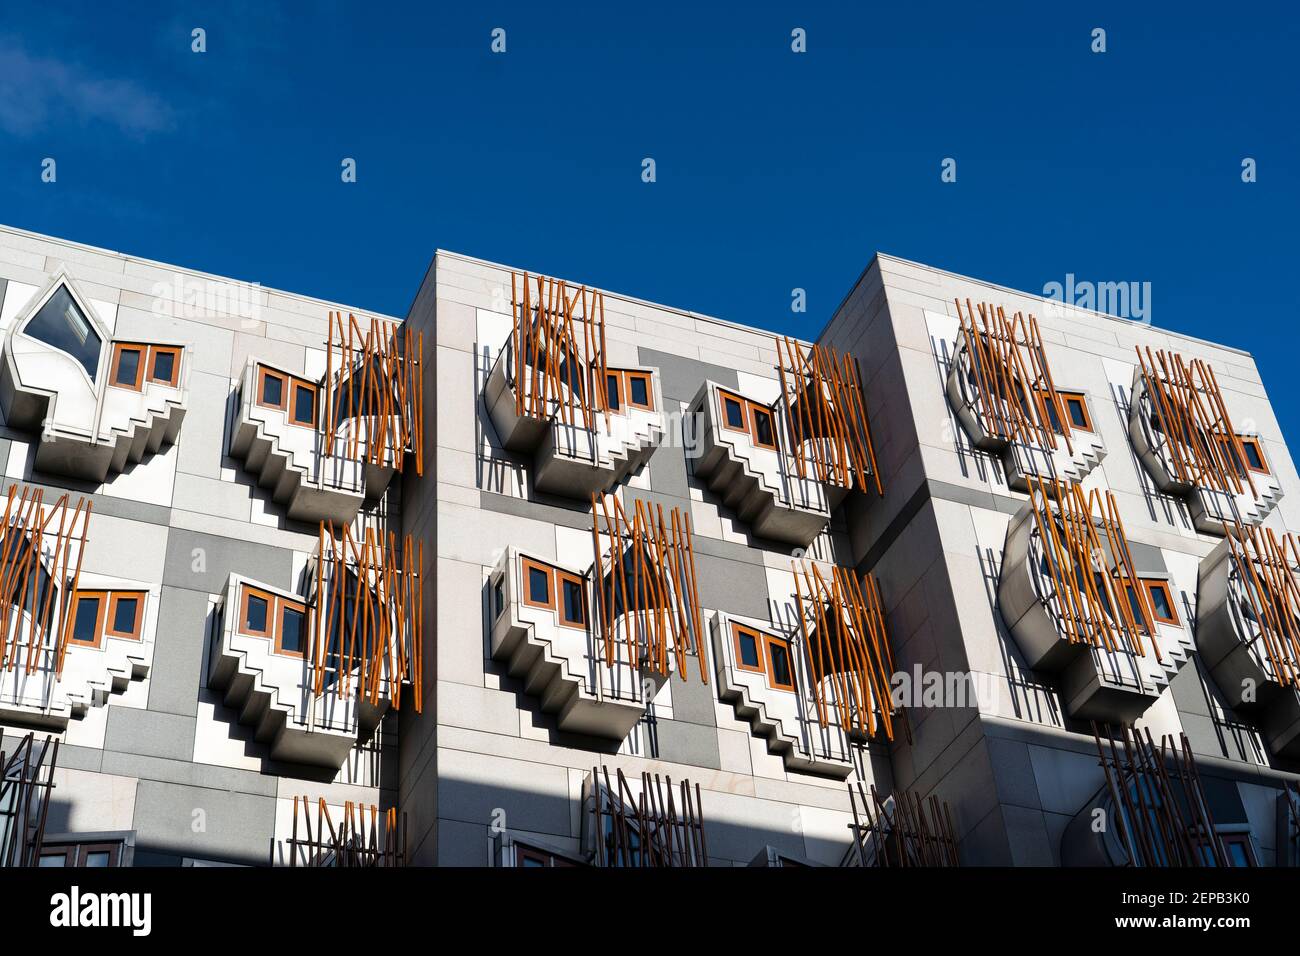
499	761
1015	766
166	758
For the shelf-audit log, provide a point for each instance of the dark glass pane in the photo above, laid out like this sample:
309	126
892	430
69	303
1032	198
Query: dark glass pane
1237	854
1054	419
1253	456
124	614
53	859
498	599
61	324
735	413
164	366
128	367
256	617
539	586
1134	604
83	629
292	626
304	404
638	390
272	390
98	858
612	392
780	664
1078	414
1161	602
748	649
763	427
531	861
573	602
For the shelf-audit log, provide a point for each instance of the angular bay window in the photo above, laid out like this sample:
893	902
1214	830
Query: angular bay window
61	324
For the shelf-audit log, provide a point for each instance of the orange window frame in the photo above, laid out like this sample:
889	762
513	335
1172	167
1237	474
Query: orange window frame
263	373
291	402
118	349
173	350
611	375
1259	450
110	616
100	611
723	398
1082	399
247	593
1159	584
760	648
527	565
561	577
282	605
628	378
788	648
755	408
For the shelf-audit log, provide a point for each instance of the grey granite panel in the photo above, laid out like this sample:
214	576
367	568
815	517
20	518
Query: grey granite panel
682	377
685	743
204	562
178	652
149	733
175	820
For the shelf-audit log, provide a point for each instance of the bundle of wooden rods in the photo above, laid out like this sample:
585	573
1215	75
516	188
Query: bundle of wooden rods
824	406
1267	566
1092	605
1159	808
369	613
40	569
842	624
374	378
914	832
1015	397
555	369
26	780
1202	444
651	588
649	829
364	837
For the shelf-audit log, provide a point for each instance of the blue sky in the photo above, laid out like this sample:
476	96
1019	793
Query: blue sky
774	170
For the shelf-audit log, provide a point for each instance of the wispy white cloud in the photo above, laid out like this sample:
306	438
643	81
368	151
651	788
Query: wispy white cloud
36	91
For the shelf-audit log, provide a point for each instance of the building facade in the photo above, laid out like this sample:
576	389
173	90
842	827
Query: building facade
540	574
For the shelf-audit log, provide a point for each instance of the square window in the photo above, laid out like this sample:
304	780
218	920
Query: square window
1162	601
572	609
271	393
257	610
638	389
304	404
85	624
1254	455
779	664
127	366
537	584
733	413
763	433
748	655
164	364
1078	413
293	630
126	615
